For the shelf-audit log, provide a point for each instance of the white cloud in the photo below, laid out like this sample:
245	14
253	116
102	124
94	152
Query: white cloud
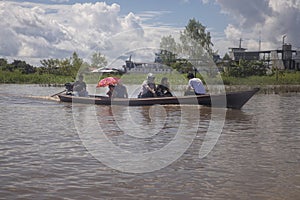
184	1
265	19
59	1
148	15
232	32
32	32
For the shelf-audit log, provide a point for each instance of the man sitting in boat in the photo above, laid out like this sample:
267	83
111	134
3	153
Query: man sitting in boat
120	90
195	86
148	87
163	89
79	88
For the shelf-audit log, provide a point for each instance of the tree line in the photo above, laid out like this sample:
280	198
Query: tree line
195	41
62	67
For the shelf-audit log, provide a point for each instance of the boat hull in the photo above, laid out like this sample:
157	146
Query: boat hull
234	100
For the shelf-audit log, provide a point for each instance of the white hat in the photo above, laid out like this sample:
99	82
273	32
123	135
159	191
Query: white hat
150	75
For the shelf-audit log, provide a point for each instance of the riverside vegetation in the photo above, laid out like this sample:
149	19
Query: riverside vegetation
19	72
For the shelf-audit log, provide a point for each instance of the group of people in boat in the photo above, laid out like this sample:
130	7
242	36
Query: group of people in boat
148	88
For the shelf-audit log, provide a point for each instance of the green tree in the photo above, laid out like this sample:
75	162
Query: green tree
5	66
168	52
98	60
50	65
84	68
168	43
76	64
246	68
23	67
166	57
3	62
195	35
195	47
67	66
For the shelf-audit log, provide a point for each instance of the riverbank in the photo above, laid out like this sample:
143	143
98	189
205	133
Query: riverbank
288	82
265	89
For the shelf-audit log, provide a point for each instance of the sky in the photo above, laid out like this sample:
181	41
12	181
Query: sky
43	29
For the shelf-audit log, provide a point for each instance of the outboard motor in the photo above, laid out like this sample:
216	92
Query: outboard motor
69	88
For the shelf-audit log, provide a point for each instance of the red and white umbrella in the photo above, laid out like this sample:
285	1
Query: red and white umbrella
108	81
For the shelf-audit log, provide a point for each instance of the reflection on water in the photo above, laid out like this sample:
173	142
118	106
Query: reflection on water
145	145
42	155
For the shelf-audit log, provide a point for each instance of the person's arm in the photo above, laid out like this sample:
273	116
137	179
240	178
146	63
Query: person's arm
150	89
109	94
147	87
75	86
126	94
168	88
79	86
189	87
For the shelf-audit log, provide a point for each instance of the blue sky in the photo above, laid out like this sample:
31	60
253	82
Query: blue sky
178	12
39	29
172	12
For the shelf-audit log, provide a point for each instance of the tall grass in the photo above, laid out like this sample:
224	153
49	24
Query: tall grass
138	78
19	78
292	78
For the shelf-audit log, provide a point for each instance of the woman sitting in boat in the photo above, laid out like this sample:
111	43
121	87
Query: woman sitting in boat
148	87
163	89
195	86
79	87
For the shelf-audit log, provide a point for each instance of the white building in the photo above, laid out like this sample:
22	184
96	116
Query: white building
145	68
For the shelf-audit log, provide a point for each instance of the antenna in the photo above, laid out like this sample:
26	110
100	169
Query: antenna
240	46
284	36
259	41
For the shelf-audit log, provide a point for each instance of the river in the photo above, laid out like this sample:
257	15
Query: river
54	150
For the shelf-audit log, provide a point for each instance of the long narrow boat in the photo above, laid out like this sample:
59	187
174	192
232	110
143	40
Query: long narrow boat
234	100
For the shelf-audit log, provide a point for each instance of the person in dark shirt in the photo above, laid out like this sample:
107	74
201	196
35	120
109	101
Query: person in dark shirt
163	89
120	90
148	87
79	87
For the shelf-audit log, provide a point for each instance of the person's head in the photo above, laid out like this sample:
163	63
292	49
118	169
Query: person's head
164	80
150	77
190	76
120	82
80	77
111	87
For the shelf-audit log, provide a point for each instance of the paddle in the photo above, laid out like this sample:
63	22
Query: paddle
58	93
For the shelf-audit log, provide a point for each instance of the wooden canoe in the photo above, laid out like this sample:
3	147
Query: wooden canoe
234	100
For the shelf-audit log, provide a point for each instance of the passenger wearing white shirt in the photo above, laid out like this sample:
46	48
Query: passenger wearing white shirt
195	86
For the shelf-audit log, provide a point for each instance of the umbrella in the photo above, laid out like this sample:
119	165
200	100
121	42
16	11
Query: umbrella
108	81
